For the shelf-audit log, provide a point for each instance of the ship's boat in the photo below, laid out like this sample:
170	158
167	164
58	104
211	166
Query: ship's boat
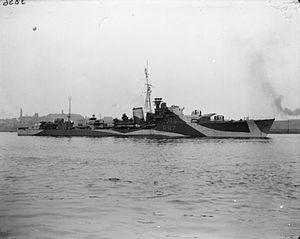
163	122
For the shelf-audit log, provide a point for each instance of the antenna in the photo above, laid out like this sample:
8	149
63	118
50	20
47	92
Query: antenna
69	115
148	91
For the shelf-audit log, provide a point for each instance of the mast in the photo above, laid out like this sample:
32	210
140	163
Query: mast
69	114
148	91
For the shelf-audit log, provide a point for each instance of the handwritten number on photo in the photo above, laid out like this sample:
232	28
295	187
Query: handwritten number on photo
13	2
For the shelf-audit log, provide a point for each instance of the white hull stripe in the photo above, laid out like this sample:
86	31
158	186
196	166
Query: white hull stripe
141	132
22	132
154	132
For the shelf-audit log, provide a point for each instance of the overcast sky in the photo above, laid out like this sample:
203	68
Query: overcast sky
216	56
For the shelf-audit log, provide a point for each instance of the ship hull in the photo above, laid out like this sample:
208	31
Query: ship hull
176	129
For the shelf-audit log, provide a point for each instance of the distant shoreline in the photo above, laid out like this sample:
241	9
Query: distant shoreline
8	130
284	131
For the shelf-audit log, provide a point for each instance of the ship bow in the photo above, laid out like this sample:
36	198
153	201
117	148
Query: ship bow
264	125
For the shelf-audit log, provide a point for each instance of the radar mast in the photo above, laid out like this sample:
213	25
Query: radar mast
69	114
148	91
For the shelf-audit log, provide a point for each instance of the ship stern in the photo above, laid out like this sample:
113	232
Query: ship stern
24	131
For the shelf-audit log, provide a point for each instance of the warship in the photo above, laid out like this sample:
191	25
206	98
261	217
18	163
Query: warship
163	122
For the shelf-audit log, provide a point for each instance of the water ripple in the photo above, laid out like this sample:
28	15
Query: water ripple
149	188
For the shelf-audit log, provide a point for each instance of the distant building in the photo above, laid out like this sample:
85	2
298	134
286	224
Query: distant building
9	125
28	120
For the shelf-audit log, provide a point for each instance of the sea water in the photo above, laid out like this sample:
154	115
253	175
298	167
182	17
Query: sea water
149	188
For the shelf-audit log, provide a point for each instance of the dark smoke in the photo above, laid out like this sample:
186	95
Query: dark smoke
258	71
285	110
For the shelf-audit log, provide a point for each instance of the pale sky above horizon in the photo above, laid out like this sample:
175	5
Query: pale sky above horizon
215	56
